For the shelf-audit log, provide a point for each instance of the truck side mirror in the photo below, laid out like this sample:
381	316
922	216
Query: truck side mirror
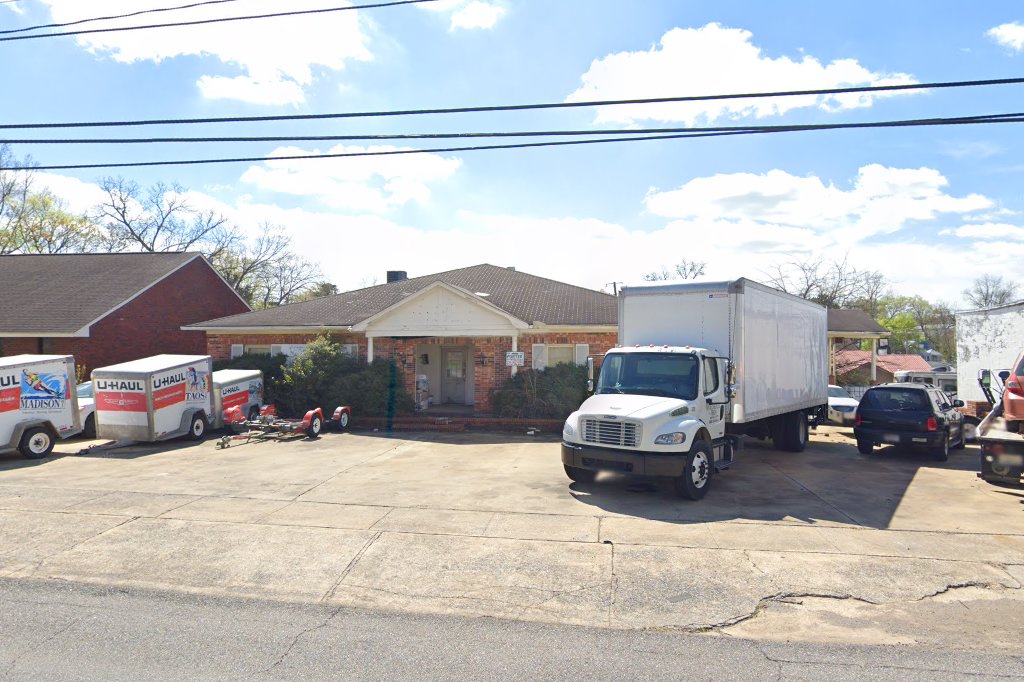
590	375
958	403
986	378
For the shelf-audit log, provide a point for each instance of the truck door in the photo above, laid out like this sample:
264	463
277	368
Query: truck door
713	392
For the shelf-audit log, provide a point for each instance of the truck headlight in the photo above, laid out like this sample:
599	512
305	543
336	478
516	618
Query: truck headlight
568	431
670	438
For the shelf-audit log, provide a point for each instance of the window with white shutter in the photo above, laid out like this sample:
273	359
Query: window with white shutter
540	356
237	350
582	353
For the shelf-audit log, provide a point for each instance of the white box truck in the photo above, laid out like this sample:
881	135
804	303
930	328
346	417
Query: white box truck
38	403
699	364
241	388
155	398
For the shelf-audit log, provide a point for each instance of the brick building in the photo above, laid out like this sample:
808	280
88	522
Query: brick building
460	329
106	308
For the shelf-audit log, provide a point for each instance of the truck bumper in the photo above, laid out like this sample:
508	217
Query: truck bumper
635	463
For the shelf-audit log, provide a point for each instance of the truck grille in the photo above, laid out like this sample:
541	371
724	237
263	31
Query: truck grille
610	432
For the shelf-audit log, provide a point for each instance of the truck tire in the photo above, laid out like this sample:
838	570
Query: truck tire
580	475
197	429
790	433
36	443
696	477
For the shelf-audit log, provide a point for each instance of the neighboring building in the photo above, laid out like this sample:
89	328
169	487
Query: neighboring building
459	329
991	338
106	308
853	367
847	330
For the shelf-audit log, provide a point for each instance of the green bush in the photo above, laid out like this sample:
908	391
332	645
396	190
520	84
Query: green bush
552	393
272	367
323	376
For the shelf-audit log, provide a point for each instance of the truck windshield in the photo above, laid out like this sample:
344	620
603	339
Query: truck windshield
673	375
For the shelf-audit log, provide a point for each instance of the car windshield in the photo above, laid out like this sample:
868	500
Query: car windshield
837	392
896	400
673	375
84	390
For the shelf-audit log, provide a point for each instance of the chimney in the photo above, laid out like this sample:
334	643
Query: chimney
397	276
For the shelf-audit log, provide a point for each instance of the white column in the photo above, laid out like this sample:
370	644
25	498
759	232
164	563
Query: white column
369	349
515	347
874	361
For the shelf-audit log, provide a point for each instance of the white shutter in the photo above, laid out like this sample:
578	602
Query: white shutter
540	356
582	352
237	350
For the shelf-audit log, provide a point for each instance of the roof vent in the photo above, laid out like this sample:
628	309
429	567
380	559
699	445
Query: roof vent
511	267
397	276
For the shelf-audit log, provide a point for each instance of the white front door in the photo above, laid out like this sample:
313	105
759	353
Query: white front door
453	376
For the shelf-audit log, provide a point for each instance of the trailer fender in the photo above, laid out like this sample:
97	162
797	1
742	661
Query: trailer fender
21	427
187	419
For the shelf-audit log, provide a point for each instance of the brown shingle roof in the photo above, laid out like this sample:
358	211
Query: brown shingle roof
849	360
61	294
855	321
527	297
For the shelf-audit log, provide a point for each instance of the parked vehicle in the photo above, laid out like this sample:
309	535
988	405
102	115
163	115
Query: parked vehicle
945	381
1002	450
841	405
86	409
241	388
155	398
699	365
37	405
905	414
1013	396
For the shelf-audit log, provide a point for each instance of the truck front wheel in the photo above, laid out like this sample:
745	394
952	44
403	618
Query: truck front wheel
580	475
36	443
696	477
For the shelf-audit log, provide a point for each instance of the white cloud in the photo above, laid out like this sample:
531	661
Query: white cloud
80	196
718	60
374	184
276	56
1008	35
990	231
881	200
468	14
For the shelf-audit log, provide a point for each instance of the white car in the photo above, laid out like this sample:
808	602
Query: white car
86	407
842	408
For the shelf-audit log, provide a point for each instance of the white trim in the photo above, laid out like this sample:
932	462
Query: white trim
81	333
264	330
541	327
512	320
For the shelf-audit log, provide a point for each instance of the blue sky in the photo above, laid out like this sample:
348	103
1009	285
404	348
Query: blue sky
932	208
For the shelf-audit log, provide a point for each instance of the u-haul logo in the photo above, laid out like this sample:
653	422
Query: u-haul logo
119	385
168	380
9	381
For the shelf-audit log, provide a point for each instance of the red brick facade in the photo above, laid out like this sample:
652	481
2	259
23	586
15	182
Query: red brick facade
487	357
147	325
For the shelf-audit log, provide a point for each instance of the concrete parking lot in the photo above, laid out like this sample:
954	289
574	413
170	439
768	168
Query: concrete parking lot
826	545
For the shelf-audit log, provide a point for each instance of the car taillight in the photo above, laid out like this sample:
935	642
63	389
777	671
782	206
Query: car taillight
858	419
932	424
1014	387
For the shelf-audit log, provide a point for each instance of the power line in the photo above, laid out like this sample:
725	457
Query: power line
515	107
1007	118
113	16
981	118
199	22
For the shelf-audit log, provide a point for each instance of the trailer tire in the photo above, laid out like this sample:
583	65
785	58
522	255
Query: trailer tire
790	433
197	429
36	443
580	475
254	414
89	428
343	420
315	425
696	477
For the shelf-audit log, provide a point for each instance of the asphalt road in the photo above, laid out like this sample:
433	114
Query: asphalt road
64	631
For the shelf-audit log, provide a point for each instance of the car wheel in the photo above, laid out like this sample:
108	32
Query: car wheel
865	447
36	443
696	477
941	453
89	428
580	475
197	430
961	441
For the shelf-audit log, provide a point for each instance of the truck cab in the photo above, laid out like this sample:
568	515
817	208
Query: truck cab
656	411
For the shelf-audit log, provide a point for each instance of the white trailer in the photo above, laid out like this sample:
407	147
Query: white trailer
699	364
155	398
241	388
986	339
38	403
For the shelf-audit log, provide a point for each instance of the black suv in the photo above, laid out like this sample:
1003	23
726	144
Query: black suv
909	415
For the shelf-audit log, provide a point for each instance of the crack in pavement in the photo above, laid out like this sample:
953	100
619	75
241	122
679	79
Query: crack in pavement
867	666
351	564
613	582
295	640
347	469
40	645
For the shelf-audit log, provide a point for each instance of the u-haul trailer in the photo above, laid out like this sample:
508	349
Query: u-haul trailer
155	398
38	403
241	388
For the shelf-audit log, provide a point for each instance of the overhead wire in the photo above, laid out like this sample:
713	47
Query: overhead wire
113	16
199	22
516	107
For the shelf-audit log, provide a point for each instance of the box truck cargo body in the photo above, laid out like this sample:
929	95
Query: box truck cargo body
241	388
155	398
38	403
699	364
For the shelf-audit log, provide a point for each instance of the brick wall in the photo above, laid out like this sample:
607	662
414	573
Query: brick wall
150	324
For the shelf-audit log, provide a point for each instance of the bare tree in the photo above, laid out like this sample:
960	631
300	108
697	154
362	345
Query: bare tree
833	284
989	291
684	269
288	278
